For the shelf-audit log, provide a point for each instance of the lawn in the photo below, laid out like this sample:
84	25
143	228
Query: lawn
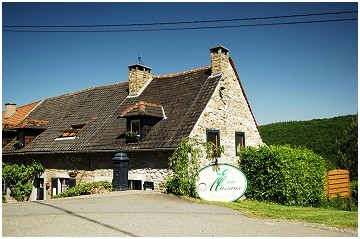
330	217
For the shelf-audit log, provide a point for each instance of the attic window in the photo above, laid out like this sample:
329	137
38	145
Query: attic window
135	127
71	133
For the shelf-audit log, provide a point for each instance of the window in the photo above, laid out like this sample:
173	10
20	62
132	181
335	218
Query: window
214	137
134	184
71	132
64	184
60	185
135	127
21	137
29	138
239	142
5	141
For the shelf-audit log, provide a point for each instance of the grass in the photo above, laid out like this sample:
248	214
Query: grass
330	217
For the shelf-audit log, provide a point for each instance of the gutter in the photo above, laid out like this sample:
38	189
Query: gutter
89	151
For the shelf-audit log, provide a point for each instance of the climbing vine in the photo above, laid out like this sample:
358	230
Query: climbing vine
184	165
19	178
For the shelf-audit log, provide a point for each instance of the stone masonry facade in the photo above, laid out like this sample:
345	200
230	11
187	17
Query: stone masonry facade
144	166
228	112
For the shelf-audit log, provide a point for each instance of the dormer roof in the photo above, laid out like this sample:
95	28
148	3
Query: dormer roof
143	108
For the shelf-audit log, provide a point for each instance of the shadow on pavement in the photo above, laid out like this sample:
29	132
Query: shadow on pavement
87	219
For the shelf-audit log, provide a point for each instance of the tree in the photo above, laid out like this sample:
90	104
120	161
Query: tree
19	178
349	149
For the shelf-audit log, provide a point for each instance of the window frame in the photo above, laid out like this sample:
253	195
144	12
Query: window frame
138	131
21	137
217	133
242	136
64	184
61	184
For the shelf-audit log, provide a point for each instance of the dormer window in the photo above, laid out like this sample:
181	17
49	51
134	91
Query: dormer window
140	118
28	130
71	132
135	127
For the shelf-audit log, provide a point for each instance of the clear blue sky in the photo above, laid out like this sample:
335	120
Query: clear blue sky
289	72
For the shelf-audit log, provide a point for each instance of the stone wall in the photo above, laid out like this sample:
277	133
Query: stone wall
145	166
228	112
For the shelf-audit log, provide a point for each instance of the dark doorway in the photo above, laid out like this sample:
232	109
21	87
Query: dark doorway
39	189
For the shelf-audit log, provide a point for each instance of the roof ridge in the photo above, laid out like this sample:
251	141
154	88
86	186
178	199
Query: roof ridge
181	73
87	89
35	102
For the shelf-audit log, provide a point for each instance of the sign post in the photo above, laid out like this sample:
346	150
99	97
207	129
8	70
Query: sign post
221	182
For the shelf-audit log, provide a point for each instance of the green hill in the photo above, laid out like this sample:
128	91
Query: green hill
320	135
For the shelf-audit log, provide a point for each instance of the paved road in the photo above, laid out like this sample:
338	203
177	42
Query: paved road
141	213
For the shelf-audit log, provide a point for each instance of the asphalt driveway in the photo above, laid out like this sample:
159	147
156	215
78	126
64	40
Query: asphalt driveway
142	213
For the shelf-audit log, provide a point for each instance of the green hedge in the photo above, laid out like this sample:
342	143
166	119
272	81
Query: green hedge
84	189
283	174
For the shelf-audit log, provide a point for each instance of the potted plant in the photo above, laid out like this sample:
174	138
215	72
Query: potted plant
18	144
72	173
131	137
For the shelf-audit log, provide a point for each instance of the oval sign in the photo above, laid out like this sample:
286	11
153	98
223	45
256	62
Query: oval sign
221	182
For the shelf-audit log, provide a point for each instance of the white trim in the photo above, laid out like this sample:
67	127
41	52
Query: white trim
163	111
66	138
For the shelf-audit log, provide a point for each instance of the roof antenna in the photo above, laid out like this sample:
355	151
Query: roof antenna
139	59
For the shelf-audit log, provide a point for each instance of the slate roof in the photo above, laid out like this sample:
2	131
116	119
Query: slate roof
182	97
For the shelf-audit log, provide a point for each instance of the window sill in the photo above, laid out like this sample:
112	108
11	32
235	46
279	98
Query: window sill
66	138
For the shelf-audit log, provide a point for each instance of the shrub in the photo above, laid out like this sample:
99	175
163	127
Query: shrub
283	174
184	163
85	189
19	179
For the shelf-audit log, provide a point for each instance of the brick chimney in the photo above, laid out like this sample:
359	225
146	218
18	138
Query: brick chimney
10	109
139	77
219	56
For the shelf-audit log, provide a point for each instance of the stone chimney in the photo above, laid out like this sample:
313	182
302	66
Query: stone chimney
139	77
219	56
10	109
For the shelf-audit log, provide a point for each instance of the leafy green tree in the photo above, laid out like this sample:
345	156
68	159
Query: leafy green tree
19	178
319	135
348	149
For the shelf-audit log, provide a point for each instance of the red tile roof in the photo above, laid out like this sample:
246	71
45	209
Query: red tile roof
19	115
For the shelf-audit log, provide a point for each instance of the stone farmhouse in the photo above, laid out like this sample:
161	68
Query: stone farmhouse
146	117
